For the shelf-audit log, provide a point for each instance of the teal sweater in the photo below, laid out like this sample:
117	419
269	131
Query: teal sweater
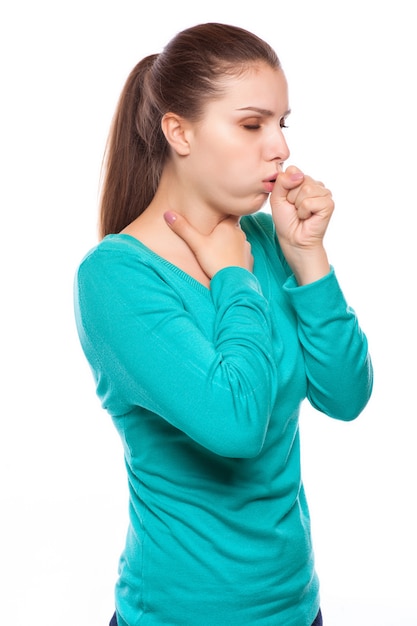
204	387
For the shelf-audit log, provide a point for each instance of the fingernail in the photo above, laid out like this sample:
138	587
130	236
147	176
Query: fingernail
297	176
170	217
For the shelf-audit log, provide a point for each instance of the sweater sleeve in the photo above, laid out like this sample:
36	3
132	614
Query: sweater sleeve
146	350
337	362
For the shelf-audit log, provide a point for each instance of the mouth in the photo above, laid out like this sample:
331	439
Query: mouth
269	183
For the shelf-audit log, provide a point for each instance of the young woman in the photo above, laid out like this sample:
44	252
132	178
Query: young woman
206	324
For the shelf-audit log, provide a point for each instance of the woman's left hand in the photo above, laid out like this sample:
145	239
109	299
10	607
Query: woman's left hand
301	209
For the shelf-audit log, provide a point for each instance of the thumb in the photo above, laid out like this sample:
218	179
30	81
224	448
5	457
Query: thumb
183	229
290	179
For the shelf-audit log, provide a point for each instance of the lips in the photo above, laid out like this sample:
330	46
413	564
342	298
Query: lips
268	183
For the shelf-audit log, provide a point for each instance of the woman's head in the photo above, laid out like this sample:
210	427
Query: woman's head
187	74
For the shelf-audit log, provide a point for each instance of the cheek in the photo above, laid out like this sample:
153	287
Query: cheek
219	160
226	157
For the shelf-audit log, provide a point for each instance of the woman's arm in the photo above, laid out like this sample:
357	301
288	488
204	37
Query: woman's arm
338	365
146	350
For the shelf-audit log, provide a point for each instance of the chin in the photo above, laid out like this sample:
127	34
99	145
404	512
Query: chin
258	204
252	206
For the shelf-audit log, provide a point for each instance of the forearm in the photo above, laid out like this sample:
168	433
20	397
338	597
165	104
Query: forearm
308	265
337	362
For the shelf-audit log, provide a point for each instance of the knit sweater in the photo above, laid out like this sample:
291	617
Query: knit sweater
204	387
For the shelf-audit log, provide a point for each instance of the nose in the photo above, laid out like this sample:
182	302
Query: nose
276	148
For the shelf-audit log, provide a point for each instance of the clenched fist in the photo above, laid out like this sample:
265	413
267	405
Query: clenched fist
301	209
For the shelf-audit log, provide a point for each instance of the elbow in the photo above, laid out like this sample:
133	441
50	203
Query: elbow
239	430
348	406
245	445
357	400
347	400
353	409
347	414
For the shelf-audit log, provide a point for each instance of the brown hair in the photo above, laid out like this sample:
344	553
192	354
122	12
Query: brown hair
180	79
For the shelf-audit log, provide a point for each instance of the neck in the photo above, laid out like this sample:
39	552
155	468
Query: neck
171	195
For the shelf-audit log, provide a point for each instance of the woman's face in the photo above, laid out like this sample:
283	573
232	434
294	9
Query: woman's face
238	147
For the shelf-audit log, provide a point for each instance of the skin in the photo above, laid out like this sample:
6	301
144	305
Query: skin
225	166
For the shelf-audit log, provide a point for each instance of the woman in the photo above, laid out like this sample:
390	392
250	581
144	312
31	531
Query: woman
206	324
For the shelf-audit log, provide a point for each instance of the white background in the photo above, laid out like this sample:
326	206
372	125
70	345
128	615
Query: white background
351	67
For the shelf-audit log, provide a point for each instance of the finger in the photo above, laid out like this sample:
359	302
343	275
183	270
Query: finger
314	205
290	179
306	191
183	229
309	189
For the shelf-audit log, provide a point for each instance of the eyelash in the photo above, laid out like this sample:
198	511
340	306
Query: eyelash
258	126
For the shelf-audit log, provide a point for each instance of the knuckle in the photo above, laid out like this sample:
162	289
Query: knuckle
308	204
309	188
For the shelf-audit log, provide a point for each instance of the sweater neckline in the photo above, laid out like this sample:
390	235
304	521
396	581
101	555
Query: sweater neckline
137	243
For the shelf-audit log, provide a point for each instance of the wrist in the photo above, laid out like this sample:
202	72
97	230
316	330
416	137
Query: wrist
308	265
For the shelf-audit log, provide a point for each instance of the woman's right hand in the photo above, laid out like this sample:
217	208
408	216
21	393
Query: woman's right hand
225	246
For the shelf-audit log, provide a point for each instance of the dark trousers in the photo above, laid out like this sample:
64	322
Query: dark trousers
317	622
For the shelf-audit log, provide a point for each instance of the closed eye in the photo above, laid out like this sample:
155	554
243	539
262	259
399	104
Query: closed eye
282	124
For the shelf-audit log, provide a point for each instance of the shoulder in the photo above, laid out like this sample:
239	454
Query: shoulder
113	245
261	233
115	250
118	261
259	225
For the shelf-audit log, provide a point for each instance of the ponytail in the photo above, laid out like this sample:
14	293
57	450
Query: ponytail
134	154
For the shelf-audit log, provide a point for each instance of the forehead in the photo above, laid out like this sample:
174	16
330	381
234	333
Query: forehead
259	85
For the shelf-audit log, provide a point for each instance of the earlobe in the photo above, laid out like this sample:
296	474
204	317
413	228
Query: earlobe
175	129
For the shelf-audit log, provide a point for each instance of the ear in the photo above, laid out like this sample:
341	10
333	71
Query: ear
176	131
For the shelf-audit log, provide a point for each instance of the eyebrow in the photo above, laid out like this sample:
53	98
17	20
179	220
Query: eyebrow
265	112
